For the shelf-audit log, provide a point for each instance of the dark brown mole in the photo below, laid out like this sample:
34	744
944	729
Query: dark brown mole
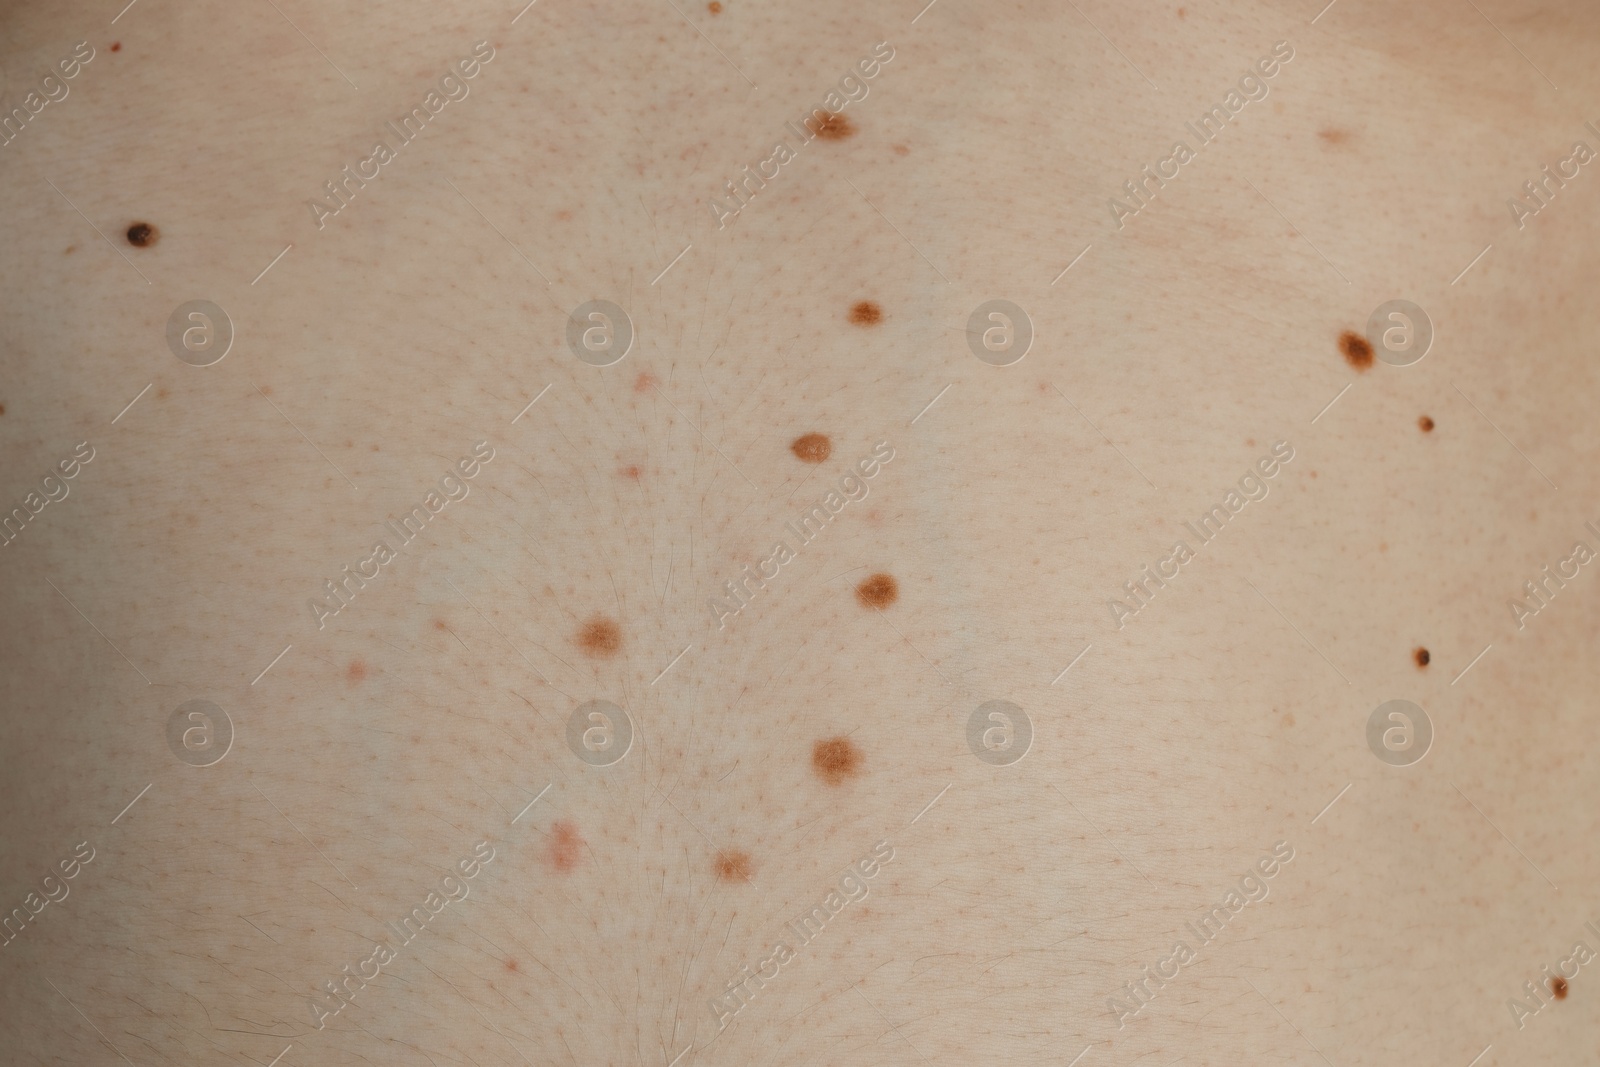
116	46
732	865
866	313
143	235
878	591
831	127
836	759
812	447
1421	656
1425	424
1357	349
1558	986
600	637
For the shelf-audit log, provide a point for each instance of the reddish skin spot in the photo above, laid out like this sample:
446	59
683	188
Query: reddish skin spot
1334	135
812	448
1181	15
714	7
162	394
836	759
878	591
70	249
732	865
143	235
438	624
1421	656
116	46
357	671
866	313
833	128
901	150
1357	349
645	382
565	848
600	638
631	472
511	965
1425	424
2	409
1558	986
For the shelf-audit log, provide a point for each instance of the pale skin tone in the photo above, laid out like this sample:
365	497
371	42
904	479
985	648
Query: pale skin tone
780	753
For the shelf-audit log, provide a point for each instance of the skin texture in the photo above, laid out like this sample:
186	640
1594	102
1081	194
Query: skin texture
772	747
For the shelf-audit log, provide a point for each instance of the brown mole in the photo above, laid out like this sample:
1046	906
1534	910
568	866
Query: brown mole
831	127
1425	424
866	313
143	235
356	671
116	46
714	7
878	591
836	759
565	848
1558	986
600	637
812	448
1421	656
1357	349
732	865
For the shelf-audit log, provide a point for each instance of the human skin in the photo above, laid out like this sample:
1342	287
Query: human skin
374	749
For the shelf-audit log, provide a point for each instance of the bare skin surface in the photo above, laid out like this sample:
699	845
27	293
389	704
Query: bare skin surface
808	782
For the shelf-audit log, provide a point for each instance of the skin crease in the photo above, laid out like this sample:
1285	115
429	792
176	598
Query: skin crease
430	312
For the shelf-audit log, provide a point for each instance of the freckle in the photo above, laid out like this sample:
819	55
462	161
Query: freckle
866	313
1313	474
836	759
143	235
70	249
645	382
1334	135
2	409
511	965
1558	986
714	7
1181	14
565	847
1357	349
732	865
812	447
356	671
1288	719
438	624
162	394
835	127
116	46
600	637
1421	656
878	591
631	472
1425	424
901	150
